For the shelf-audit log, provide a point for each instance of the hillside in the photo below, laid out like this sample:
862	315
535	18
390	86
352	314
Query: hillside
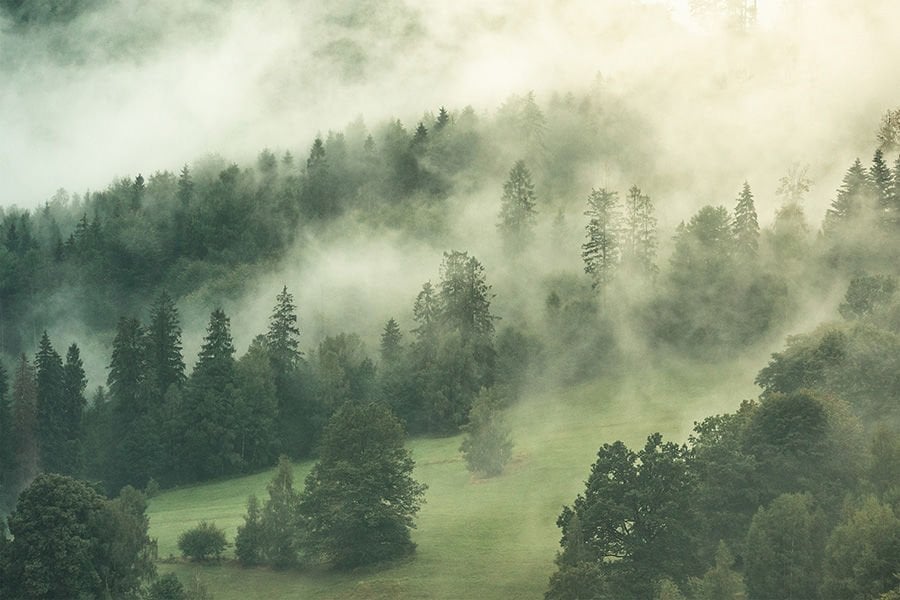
476	538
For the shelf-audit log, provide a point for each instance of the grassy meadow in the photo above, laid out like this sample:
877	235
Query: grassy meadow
478	539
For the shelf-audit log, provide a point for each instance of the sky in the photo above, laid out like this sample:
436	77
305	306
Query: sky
136	87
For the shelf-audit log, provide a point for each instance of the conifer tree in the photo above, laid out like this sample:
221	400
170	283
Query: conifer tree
279	522
601	250
746	226
517	207
425	314
391	342
51	409
248	543
465	296
25	438
74	384
881	180
639	233
851	199
443	119
164	361
420	138
282	338
894	196
7	448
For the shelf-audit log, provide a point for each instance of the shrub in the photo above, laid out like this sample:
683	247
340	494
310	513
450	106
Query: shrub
203	542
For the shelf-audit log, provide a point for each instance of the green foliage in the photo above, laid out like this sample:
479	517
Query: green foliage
600	252
517	208
866	294
746	226
720	582
639	233
784	550
68	542
24	414
203	542
359	500
279	521
632	517
487	446
248	543
166	587
861	556
51	409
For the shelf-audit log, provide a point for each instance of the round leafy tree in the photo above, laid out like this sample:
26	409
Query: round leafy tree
360	499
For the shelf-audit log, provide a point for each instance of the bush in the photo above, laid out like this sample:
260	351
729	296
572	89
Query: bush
167	587
203	542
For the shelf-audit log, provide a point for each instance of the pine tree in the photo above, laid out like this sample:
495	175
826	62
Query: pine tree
881	180
851	199
639	234
359	501
248	543
25	437
7	448
517	207
425	314
601	251
282	338
465	297
164	361
51	409
894	196
279	518
420	138
74	384
391	342
185	187
209	445
746	226
443	119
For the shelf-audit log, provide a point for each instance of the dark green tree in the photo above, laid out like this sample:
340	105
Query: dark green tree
391	343
25	437
203	542
74	384
209	442
783	554
51	409
600	252
283	336
465	297
282	343
517	208
359	501
721	582
633	517
164	360
881	180
746	225
248	543
442	120
853	198
867	293
7	447
279	523
257	407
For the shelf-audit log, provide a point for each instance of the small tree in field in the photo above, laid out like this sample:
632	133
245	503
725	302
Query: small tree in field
487	446
203	542
360	498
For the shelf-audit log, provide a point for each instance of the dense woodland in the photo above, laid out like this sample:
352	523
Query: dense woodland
792	495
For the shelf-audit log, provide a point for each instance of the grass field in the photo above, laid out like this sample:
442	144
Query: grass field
478	539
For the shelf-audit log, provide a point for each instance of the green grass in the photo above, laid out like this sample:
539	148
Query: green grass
481	539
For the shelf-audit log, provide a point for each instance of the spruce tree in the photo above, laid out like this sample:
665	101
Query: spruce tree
852	197
282	338
465	297
601	250
7	449
248	543
391	342
164	361
425	314
51	409
443	119
25	438
746	226
74	384
517	207
881	180
280	533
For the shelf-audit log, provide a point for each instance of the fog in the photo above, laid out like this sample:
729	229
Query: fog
132	87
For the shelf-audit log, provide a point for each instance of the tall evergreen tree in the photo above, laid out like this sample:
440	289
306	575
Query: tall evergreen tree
746	225
894	196
391	342
465	296
25	439
51	409
852	197
7	448
881	180
164	361
280	532
443	119
282	338
601	250
425	314
74	384
209	441
517	207
639	233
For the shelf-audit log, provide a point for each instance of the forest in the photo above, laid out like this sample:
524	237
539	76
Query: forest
379	300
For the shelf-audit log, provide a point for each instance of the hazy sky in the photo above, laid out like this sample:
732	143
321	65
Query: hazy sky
139	87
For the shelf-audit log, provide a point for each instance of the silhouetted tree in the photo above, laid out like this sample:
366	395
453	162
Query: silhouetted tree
517	207
601	250
746	225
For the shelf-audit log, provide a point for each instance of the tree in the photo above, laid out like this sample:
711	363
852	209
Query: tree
256	407
720	582
881	181
889	131
279	522
443	119
25	438
51	410
517	212
862	553
282	338
68	542
601	250
164	361
746	226
7	448
465	297
208	418
74	384
203	542
391	343
167	587
632	517
487	446
639	233
248	543
866	294
283	346
783	552
852	198
359	501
